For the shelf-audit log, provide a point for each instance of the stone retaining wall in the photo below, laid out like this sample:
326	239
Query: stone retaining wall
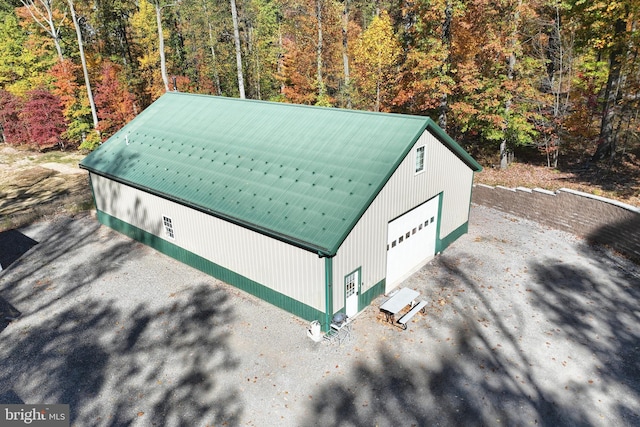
597	219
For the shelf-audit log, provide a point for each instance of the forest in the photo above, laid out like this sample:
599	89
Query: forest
561	77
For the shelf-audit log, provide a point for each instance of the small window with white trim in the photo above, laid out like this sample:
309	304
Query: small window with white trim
168	227
420	159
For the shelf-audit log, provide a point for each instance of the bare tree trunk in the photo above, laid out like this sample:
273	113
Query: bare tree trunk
321	88
236	39
280	59
254	53
607	145
377	106
216	76
83	59
511	65
44	18
163	60
345	52
560	95
446	44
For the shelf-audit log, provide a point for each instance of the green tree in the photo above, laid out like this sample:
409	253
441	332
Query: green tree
25	54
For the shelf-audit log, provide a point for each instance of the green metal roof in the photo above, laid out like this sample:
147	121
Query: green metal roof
304	175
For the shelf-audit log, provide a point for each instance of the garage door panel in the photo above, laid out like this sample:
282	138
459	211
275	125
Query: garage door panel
411	240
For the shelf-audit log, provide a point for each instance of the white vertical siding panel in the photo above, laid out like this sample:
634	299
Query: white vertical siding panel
287	269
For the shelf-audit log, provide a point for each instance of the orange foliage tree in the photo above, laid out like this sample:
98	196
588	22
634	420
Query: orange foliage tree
114	101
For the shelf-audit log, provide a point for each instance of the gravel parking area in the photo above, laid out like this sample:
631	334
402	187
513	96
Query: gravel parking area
525	326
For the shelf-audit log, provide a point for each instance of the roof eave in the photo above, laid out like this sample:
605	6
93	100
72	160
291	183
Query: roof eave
322	252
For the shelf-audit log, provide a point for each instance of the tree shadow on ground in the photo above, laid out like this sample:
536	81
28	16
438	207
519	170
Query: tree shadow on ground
115	367
64	244
392	392
603	315
115	363
474	381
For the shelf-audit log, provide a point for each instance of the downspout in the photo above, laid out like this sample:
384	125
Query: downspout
328	292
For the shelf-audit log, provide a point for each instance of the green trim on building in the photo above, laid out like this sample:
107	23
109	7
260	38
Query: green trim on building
449	142
442	244
372	293
254	288
365	299
440	197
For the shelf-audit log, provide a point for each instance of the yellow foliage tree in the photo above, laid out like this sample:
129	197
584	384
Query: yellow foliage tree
376	53
145	35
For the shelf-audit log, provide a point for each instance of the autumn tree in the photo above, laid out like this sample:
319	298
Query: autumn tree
13	66
115	103
425	80
309	44
83	60
73	100
376	53
145	38
611	29
25	54
43	118
12	128
158	5
47	15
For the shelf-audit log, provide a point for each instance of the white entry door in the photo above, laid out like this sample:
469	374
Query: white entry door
411	242
351	285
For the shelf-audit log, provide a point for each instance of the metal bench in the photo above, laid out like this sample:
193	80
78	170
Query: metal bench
416	308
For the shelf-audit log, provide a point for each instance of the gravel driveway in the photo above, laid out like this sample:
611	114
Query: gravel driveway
525	326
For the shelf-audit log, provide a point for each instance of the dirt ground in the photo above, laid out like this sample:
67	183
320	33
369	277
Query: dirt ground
36	185
620	181
525	326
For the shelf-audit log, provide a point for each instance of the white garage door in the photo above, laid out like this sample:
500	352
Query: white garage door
411	241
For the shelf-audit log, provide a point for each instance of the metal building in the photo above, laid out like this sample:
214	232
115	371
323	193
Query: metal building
315	210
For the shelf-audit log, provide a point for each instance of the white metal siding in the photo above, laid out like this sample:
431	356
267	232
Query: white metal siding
366	244
287	269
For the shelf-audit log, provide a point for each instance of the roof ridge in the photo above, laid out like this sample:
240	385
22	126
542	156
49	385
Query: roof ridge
306	106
